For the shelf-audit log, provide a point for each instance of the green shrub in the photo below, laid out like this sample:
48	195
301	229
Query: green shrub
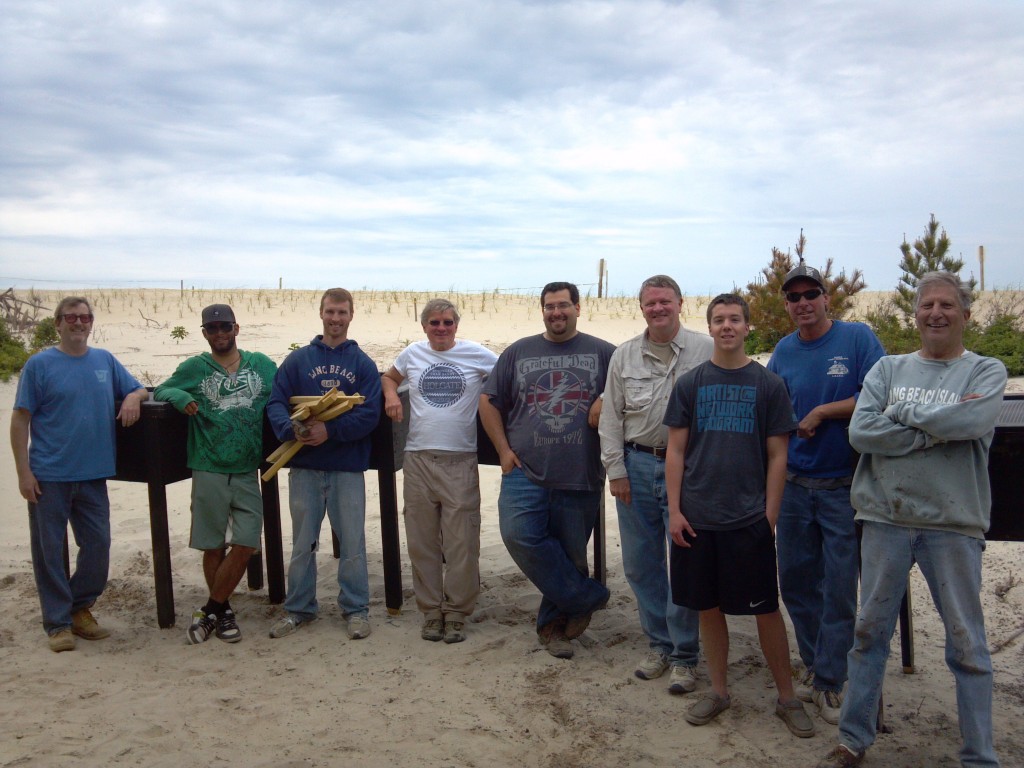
12	353
45	335
1001	337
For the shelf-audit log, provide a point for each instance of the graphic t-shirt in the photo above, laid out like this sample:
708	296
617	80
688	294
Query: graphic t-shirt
544	392
730	414
444	392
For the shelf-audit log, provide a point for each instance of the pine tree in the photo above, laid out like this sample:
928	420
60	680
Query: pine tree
930	253
768	314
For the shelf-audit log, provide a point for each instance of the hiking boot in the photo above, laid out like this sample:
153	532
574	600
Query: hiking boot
454	631
805	686
84	625
828	704
203	625
357	627
841	756
287	625
560	647
682	680
652	667
227	627
432	630
552	628
62	640
792	713
577	625
707	708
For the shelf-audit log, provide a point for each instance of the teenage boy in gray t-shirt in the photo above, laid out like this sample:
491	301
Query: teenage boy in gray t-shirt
729	421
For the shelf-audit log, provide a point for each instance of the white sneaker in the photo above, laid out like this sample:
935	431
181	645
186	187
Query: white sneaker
828	703
652	667
682	680
358	627
805	685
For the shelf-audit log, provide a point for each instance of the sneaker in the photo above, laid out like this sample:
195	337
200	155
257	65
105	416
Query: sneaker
652	667
828	704
84	625
841	756
707	709
682	680
358	627
432	630
203	625
454	631
287	625
805	686
62	640
792	713
560	647
227	627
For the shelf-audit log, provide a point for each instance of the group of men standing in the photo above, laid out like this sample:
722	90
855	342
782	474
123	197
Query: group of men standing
715	462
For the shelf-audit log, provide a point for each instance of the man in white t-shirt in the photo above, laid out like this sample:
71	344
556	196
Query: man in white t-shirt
441	482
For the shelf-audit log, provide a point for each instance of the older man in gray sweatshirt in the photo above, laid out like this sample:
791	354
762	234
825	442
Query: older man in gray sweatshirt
924	423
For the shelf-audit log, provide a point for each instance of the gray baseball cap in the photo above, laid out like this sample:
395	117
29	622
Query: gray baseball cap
803	272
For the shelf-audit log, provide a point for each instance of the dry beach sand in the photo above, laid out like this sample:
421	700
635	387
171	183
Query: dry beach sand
145	698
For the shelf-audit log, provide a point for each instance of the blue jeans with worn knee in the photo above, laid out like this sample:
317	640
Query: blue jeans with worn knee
816	539
546	531
672	630
342	495
951	565
83	504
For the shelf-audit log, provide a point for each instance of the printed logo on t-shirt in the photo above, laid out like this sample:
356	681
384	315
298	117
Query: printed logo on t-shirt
442	385
838	367
101	376
556	397
726	408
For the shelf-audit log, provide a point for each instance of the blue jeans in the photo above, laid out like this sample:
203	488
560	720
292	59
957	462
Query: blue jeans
85	506
951	564
342	496
818	564
672	630
546	531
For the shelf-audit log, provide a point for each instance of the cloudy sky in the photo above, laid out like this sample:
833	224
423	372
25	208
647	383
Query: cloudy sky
502	144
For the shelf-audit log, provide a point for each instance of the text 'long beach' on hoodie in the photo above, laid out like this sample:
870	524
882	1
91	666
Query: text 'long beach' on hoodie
314	370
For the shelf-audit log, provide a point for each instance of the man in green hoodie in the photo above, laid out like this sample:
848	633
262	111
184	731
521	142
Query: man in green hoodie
224	392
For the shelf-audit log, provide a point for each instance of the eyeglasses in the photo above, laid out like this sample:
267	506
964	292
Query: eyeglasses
562	306
810	294
71	317
446	323
224	327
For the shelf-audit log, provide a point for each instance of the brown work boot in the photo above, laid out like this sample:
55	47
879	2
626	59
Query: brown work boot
85	625
62	640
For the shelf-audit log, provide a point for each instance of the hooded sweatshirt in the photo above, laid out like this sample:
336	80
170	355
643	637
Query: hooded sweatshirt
925	448
314	370
226	435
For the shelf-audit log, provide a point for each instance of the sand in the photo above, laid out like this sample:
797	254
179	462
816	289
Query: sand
144	697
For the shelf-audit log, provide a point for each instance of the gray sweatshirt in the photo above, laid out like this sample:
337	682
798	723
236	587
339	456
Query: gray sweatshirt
925	448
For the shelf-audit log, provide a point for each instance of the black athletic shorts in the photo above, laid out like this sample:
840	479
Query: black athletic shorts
735	571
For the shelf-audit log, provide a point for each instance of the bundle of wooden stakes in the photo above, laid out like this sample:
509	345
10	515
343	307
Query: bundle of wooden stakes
306	407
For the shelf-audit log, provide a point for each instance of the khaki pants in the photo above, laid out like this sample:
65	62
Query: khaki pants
442	529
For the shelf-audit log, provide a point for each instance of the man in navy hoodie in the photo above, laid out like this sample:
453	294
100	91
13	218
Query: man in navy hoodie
326	475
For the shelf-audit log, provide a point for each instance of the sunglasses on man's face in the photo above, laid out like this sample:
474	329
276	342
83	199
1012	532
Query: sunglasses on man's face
224	327
810	294
72	317
447	323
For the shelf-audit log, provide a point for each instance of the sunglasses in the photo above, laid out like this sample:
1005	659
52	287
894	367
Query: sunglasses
224	327
71	317
446	323
810	294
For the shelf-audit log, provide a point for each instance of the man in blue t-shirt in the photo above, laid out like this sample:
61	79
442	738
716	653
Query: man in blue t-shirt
823	363
65	402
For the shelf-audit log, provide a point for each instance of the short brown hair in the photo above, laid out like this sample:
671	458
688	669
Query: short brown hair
69	301
730	298
659	281
337	295
438	305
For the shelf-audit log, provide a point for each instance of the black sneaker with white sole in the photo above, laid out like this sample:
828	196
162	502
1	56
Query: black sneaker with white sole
203	625
227	627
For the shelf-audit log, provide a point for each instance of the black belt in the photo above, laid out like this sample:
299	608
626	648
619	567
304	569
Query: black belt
658	453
